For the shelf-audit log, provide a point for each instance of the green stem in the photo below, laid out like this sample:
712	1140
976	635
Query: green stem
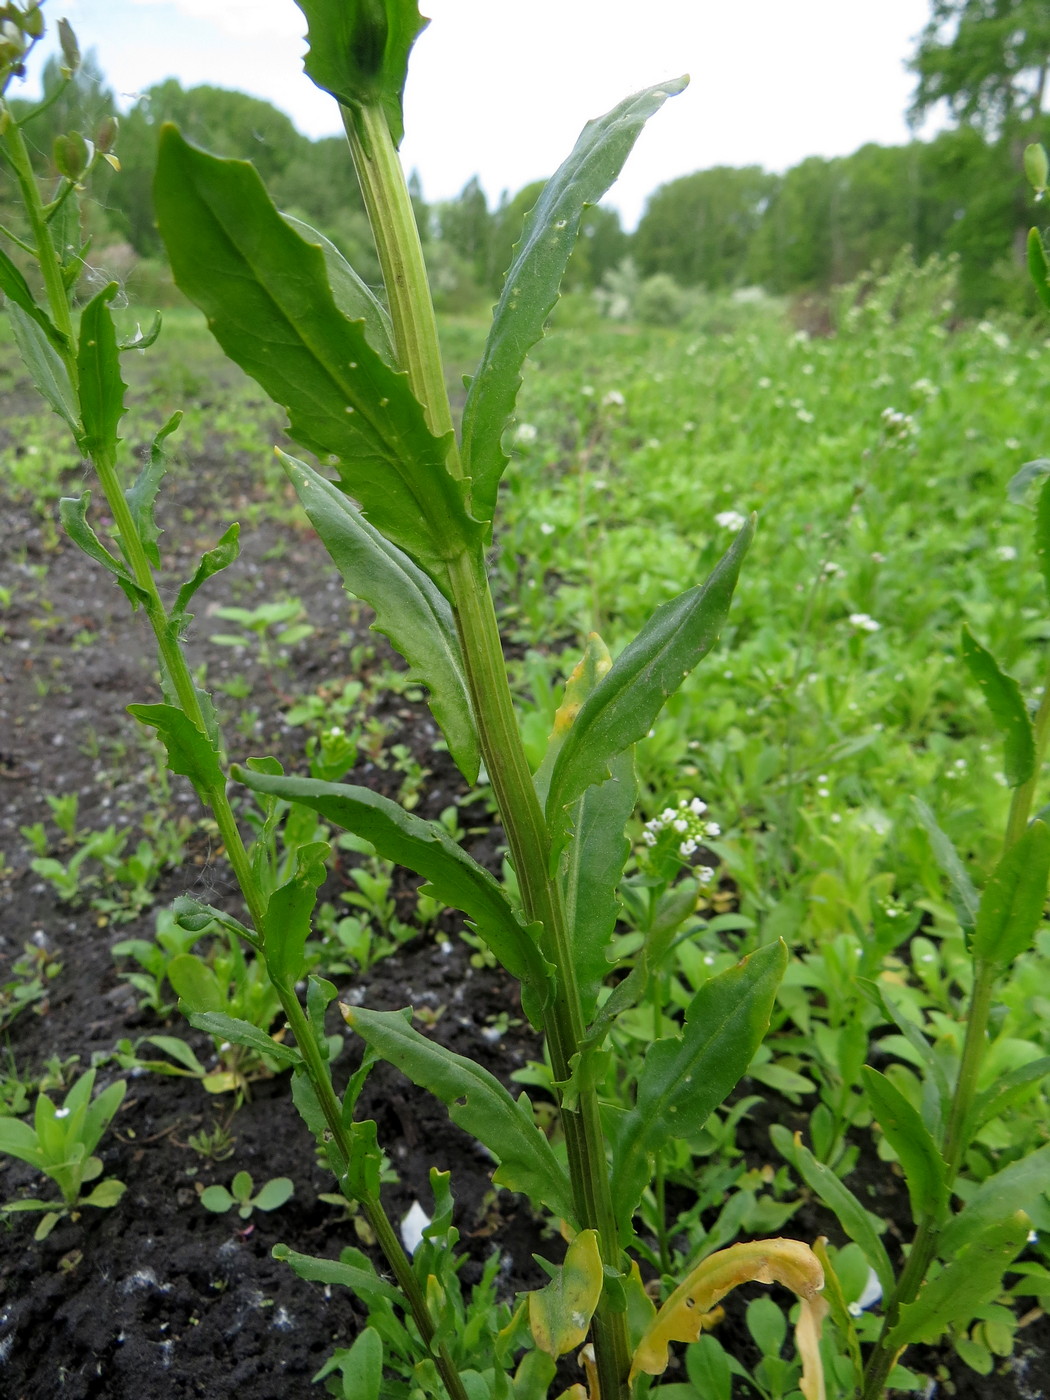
386	1235
50	266
394	229
181	679
393	222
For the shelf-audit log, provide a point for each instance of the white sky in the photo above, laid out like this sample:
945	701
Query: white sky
501	88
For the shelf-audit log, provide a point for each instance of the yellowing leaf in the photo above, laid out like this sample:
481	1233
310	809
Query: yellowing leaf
560	1314
787	1262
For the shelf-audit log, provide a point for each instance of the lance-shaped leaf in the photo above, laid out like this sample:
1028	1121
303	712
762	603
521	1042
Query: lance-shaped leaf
1008	1090
1007	707
142	497
531	286
101	387
72	511
965	898
1012	901
211	562
46	367
790	1263
359	52
239	1032
286	922
425	847
410	609
924	1168
623	705
477	1102
354	298
593	865
1016	1187
15	287
266	295
560	1314
858	1223
351	1270
684	1078
189	752
965	1284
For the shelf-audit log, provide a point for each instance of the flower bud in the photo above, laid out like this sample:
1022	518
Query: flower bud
72	155
106	134
70	47
1036	167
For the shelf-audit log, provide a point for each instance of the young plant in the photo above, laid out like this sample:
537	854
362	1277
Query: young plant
269	1196
61	1143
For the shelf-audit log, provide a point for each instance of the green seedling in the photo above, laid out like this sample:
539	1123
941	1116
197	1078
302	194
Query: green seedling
31	975
270	1196
218	1145
286	620
60	1144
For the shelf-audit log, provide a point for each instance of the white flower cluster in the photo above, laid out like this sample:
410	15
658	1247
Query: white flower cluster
687	821
898	426
526	433
863	623
730	520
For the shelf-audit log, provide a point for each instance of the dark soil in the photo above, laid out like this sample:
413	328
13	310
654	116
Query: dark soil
157	1297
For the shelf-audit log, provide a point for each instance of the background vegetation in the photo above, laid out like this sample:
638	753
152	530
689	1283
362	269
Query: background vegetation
802	232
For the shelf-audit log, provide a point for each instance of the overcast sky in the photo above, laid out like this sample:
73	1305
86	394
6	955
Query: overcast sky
500	88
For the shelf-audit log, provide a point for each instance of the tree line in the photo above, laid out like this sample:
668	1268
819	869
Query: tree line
815	226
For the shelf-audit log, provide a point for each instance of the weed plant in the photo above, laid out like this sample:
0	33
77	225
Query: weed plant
812	746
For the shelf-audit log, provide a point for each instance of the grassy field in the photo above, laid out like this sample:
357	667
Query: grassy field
877	455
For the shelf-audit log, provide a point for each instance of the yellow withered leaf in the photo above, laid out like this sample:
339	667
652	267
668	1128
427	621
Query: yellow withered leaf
560	1314
588	671
788	1262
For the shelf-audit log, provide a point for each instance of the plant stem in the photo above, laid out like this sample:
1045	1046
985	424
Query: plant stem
178	672
393	224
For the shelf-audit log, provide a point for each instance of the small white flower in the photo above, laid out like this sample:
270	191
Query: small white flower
730	520
587	391
613	399
687	848
526	433
680	825
863	623
649	837
831	568
61	1112
667	815
804	416
546	528
878	558
712	829
1006	552
925	387
705	874
1012	444
697	807
765	382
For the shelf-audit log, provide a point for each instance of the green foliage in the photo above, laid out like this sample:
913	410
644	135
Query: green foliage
242	1194
61	1143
